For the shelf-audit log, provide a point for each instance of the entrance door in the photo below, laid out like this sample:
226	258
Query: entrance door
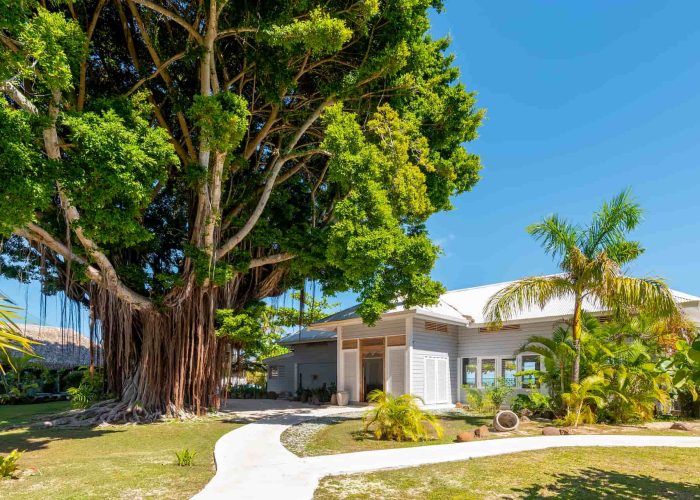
372	374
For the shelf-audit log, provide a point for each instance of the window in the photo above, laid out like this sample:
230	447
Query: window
531	362
488	372
469	371
508	370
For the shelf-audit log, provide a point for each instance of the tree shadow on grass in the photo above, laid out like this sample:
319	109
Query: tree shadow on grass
595	483
37	438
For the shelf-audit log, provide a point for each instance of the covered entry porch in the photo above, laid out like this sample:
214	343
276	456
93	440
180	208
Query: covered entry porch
375	357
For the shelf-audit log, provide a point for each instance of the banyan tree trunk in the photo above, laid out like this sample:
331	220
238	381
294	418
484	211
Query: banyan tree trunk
161	363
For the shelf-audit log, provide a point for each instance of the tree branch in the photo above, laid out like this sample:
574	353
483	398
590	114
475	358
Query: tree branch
172	16
18	97
270	259
158	70
234	31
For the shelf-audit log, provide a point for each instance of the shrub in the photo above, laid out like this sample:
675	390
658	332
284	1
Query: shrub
8	464
399	418
490	399
185	458
88	392
535	402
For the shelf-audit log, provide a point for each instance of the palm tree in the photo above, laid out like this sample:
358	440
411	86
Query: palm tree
592	259
10	335
591	390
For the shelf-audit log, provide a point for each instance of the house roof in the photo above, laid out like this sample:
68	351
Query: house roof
466	306
307	336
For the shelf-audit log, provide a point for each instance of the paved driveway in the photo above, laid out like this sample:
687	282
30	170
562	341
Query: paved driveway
252	463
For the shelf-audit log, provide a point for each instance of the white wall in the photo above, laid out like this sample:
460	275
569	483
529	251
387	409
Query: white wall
430	343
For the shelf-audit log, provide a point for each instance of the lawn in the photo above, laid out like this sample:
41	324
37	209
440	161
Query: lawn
135	461
19	414
348	435
629	473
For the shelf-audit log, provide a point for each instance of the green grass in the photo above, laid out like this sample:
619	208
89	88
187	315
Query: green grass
135	461
573	473
349	436
19	414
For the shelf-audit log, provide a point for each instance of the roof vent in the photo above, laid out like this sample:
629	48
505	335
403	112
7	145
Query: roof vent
503	328
434	326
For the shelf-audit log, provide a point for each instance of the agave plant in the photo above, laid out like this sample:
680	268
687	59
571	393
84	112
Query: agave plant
399	418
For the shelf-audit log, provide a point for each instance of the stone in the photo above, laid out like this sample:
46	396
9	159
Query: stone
550	431
524	419
459	405
681	426
465	436
566	431
482	432
334	399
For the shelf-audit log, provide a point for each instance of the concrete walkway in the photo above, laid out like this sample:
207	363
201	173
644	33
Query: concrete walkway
252	463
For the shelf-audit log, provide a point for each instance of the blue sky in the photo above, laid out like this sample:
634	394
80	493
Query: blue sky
583	100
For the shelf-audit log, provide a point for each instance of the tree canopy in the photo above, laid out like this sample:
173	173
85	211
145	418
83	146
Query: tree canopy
324	132
163	159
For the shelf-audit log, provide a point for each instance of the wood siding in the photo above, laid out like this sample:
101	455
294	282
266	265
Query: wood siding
381	329
431	343
318	358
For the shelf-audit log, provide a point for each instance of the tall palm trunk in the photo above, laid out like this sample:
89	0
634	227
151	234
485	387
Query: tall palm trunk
576	334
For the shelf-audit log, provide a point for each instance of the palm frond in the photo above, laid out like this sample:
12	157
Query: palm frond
650	296
524	293
615	218
555	234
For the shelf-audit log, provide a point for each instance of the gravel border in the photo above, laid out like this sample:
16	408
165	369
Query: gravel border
298	436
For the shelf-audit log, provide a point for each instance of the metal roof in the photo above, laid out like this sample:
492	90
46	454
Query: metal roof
467	307
307	336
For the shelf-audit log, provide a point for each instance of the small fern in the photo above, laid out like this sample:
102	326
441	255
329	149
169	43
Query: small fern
185	458
8	464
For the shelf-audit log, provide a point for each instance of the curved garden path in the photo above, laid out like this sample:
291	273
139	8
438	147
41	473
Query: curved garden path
252	463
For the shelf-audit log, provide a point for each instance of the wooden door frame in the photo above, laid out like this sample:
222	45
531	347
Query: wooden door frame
373	348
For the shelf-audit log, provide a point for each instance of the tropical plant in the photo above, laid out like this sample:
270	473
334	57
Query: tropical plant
90	390
534	402
582	398
11	338
185	458
684	364
163	160
488	399
558	353
591	259
476	399
399	418
8	464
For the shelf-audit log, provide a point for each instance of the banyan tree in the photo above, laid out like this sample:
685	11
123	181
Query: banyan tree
162	159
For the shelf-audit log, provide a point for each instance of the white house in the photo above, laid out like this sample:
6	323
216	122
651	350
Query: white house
432	351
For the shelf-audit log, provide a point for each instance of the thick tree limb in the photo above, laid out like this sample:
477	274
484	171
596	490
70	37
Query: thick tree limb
172	16
270	259
17	96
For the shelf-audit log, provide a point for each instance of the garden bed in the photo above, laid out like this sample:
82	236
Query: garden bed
345	433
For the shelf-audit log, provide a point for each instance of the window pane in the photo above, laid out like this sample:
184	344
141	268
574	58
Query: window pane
469	372
488	372
531	362
509	371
